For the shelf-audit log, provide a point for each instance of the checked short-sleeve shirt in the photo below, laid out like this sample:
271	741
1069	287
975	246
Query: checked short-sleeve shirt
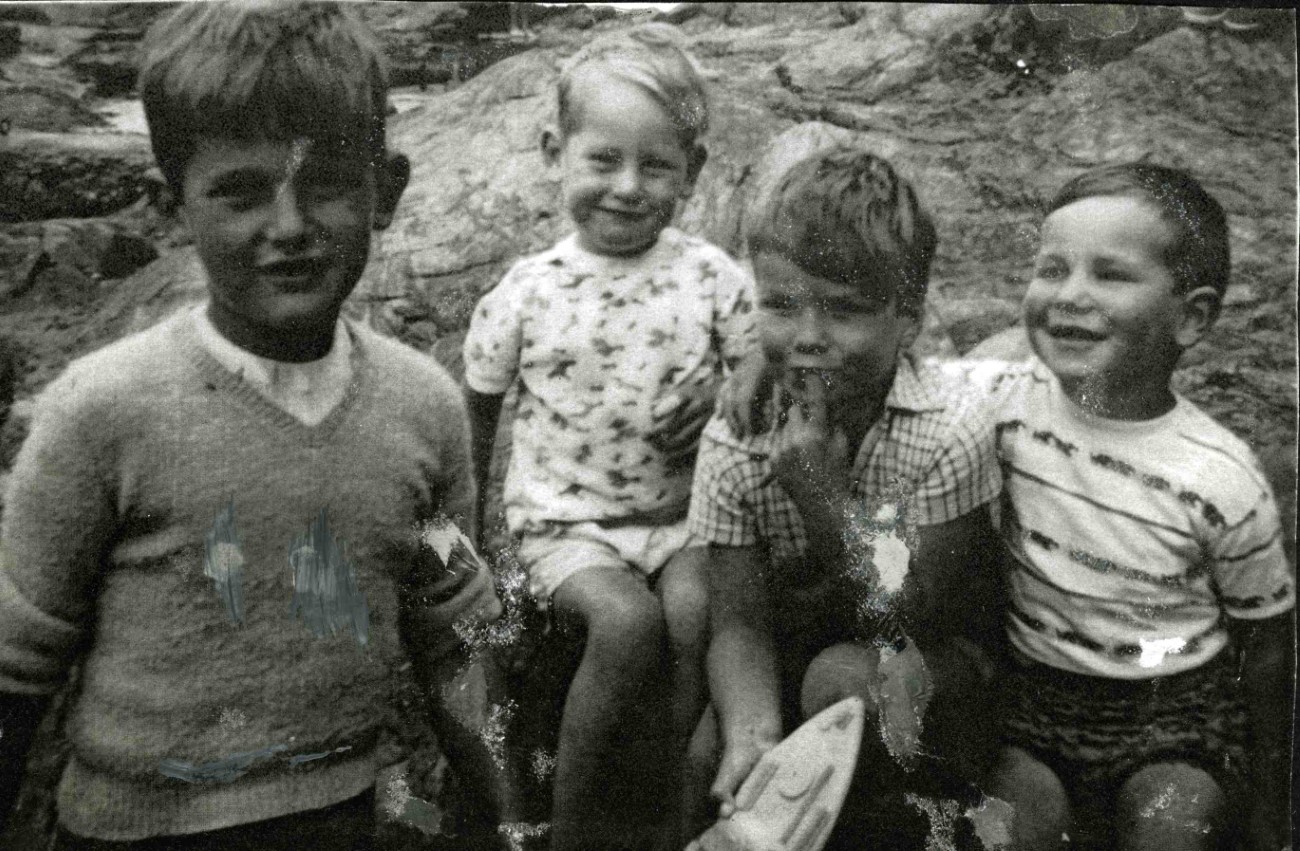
933	445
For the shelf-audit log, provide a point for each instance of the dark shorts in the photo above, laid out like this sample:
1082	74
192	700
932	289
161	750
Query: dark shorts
1096	732
958	730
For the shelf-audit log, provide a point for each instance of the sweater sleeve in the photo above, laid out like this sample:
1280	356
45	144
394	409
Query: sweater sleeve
58	524
450	598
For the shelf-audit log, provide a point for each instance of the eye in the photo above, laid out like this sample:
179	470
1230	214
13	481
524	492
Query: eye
850	307
657	166
1116	275
778	304
1049	269
604	160
242	191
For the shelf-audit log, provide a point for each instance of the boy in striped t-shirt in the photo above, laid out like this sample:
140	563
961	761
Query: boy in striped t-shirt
1151	602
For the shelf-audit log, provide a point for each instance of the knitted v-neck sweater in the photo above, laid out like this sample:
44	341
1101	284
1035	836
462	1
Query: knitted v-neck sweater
226	575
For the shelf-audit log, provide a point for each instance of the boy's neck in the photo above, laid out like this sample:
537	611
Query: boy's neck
309	345
1134	405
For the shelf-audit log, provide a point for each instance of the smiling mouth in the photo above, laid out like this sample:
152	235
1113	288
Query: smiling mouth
1074	334
305	268
629	215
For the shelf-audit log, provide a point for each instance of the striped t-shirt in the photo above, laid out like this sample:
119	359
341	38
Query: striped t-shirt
1130	541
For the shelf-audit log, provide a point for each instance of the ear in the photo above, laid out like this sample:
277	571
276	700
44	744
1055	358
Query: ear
1199	311
390	183
552	147
696	157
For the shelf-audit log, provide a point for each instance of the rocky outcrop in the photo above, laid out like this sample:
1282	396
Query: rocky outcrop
62	175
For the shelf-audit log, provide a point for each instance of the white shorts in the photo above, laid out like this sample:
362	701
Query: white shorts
563	549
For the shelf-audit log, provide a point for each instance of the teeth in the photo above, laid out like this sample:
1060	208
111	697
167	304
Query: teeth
1073	333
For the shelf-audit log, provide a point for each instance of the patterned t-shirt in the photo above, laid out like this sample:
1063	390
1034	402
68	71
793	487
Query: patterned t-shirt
1130	541
931	449
596	342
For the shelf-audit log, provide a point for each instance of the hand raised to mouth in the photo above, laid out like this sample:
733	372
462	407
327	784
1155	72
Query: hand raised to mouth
810	459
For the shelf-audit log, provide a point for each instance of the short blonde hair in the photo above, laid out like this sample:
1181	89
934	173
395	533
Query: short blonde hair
651	58
261	69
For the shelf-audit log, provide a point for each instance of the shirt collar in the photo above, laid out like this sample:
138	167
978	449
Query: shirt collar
909	392
294	378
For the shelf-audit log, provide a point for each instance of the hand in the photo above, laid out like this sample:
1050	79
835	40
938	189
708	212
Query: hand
738	763
743	397
678	419
810	458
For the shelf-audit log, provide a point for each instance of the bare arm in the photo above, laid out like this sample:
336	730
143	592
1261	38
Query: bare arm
1267	649
462	684
743	679
484	413
959	585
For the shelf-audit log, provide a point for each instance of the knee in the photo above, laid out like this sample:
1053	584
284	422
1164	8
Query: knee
845	670
1040	806
1170	805
684	592
627	630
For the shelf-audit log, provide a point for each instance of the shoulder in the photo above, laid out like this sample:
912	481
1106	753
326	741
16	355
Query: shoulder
699	251
1222	462
999	381
543	264
531	275
723	457
406	376
954	398
130	370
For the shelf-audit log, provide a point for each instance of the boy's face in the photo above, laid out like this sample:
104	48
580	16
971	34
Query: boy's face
623	169
812	328
1102	310
283	231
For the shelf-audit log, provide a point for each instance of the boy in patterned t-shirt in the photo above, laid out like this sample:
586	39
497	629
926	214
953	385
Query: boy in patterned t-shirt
618	336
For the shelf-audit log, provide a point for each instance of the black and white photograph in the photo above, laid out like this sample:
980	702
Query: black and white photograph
494	426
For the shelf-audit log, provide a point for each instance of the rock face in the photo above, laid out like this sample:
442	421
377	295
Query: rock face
62	175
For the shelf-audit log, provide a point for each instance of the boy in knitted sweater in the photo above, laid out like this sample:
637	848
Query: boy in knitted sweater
232	520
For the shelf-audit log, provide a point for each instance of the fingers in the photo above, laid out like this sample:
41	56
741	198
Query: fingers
814	404
730	775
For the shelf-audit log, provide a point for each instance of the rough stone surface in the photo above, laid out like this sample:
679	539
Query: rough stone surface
72	175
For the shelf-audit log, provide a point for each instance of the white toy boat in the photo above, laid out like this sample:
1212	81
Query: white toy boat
791	799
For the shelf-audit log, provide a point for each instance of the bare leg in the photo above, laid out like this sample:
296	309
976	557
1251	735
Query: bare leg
623	626
1170	806
702	756
685	595
684	592
1041	806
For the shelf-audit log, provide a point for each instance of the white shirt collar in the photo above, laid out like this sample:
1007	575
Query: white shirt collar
307	391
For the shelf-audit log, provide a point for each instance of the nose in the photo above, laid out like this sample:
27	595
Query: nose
1075	292
288	222
810	335
627	182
